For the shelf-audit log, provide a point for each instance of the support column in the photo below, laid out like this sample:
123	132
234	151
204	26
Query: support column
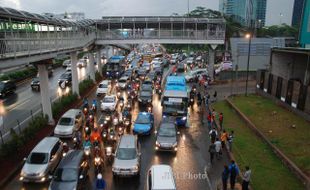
99	63
91	66
211	61
45	95
75	80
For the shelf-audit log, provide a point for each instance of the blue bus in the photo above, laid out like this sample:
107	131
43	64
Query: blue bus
175	99
115	66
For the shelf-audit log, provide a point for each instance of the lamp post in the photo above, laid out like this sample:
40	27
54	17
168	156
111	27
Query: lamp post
248	36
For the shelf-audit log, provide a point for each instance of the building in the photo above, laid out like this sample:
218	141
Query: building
67	16
247	12
304	34
298	5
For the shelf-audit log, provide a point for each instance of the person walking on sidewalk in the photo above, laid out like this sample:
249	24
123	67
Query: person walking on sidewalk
213	135
225	176
230	140
218	147
212	151
224	137
246	178
221	120
234	172
209	118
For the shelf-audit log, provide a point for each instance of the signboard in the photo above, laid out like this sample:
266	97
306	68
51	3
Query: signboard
7	26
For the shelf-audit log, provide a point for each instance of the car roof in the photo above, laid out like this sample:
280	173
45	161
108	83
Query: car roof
110	96
105	82
160	177
144	113
45	145
72	159
128	141
124	78
71	113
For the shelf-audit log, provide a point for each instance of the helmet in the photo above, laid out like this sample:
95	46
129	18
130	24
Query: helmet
65	144
99	176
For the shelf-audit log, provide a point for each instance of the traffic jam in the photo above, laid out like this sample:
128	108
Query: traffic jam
104	135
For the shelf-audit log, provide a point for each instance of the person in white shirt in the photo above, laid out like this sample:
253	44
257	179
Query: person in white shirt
246	178
218	147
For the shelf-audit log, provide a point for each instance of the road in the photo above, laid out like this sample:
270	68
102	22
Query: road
189	164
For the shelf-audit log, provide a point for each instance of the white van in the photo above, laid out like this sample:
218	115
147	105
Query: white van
69	123
42	160
160	177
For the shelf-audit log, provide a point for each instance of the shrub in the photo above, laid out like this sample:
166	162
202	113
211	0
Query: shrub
19	75
59	106
98	77
85	85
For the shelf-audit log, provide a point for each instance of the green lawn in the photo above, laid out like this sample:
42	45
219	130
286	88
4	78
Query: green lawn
276	123
268	172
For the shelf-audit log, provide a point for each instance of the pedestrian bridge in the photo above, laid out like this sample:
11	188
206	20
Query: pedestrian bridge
30	37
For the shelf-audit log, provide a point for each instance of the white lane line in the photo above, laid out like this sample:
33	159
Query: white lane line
14	106
208	179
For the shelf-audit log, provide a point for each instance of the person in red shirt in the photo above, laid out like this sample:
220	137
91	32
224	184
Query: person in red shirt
95	136
221	120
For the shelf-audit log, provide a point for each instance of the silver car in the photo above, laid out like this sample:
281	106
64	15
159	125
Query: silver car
166	139
42	160
127	157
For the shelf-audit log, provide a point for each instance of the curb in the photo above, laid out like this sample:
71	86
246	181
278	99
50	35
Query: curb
290	164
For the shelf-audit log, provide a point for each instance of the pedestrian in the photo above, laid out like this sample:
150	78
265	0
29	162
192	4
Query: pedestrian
209	118
206	101
213	135
234	172
246	178
212	151
224	137
215	96
213	117
218	146
221	120
100	183
225	176
231	137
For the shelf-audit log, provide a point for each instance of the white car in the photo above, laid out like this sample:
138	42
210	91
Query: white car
146	66
108	103
103	88
123	82
197	72
69	123
82	63
156	65
69	67
190	60
66	63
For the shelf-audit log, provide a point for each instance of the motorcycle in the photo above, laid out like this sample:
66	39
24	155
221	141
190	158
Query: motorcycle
149	108
85	111
118	94
98	163
87	151
121	104
76	144
94	108
87	130
191	101
109	154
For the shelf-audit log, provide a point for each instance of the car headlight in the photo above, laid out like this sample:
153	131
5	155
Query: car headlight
67	81
149	100
157	143
175	144
184	118
108	73
135	168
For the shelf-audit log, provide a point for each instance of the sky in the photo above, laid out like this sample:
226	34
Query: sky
98	8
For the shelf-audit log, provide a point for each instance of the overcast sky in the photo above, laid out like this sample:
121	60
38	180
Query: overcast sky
98	8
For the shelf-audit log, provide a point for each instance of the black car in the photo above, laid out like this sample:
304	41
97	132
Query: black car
35	84
6	87
145	96
181	67
65	80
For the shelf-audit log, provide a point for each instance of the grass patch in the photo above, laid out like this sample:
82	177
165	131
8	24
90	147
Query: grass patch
276	123
268	172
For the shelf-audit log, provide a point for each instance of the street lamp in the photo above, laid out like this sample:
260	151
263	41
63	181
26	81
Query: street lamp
248	36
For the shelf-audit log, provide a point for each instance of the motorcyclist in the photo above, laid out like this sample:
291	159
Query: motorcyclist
94	103
78	136
65	147
95	136
85	102
86	143
199	98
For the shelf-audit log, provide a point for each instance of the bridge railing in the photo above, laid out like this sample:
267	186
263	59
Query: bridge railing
161	34
24	44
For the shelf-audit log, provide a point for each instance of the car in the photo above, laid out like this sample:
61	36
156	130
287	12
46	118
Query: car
160	177
6	87
82	63
166	136
108	103
128	73
146	66
144	123
69	67
71	172
181	67
127	157
145	96
151	76
196	73
66	63
224	66
142	72
190	60
35	84
42	160
157	65
65	80
165	63
123	82
69	123
103	88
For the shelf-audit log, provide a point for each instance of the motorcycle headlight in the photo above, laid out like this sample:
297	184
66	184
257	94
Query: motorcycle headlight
97	159
184	118
67	81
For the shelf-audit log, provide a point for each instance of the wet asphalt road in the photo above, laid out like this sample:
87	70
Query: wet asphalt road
189	164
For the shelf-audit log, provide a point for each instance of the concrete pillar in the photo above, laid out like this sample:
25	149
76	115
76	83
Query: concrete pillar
99	63
211	63
91	66
75	80
45	95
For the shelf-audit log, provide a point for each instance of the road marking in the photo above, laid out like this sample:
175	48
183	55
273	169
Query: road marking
208	179
14	106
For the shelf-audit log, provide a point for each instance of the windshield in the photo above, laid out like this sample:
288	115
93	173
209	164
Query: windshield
35	79
146	94
108	99
37	158
65	174
126	153
66	121
65	76
174	108
122	81
142	119
166	131
103	86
